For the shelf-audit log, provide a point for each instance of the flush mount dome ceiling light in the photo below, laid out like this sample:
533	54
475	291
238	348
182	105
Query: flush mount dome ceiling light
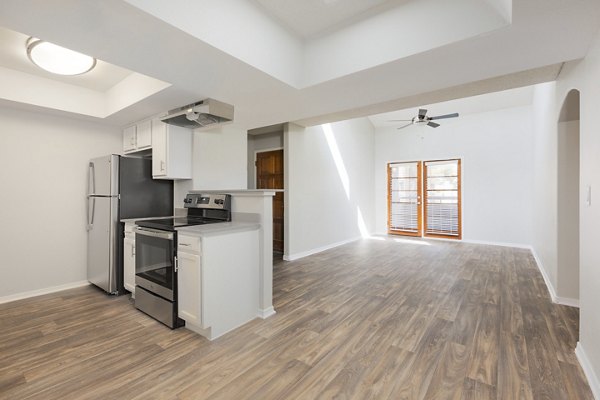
57	59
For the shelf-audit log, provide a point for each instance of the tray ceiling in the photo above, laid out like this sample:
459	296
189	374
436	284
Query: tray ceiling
368	56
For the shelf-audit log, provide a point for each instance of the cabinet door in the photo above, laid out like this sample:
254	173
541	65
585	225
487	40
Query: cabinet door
129	138
144	135
159	148
189	281
129	264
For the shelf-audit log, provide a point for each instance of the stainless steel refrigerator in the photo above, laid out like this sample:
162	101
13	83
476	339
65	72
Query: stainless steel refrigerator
119	188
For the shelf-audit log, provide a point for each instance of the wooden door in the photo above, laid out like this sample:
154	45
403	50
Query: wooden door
269	175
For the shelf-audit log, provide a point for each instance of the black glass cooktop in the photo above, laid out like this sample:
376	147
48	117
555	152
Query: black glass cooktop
169	224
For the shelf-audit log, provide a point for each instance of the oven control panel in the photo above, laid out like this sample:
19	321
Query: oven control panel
210	201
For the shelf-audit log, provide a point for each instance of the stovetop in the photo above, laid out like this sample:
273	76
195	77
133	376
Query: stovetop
169	224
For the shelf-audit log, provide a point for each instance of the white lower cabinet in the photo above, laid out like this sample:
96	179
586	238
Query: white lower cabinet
218	281
189	280
129	259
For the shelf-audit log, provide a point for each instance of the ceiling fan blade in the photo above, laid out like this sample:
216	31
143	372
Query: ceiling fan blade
405	126
444	116
422	113
432	124
399	120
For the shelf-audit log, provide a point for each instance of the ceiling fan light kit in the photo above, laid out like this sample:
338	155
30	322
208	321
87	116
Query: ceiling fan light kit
423	119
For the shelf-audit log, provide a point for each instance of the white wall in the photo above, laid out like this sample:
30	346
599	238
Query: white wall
43	207
267	141
495	149
568	210
584	76
329	185
545	179
219	161
374	41
214	21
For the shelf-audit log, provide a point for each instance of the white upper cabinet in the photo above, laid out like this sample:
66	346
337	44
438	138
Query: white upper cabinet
129	139
171	151
171	147
137	137
144	135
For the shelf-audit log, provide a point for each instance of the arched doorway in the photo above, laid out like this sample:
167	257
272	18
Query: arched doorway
568	200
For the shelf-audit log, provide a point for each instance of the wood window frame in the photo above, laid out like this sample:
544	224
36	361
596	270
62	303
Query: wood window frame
422	200
419	232
459	197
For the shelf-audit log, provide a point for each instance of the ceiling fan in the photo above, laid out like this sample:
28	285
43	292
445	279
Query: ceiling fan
423	119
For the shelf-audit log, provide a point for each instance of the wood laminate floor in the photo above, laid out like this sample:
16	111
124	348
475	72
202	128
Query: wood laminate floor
375	319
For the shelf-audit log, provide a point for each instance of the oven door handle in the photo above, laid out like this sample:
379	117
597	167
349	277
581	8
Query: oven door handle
154	233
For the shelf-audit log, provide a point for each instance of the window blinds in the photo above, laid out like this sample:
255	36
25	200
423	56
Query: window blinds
442	198
404	197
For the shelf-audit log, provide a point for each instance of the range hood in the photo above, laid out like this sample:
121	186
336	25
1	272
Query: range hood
200	114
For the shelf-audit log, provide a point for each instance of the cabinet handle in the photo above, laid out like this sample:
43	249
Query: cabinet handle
133	251
184	244
176	264
162	165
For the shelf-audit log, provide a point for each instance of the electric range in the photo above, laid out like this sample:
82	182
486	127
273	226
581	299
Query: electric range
156	254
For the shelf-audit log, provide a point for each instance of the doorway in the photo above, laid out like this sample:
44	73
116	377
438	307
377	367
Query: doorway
266	171
269	175
568	201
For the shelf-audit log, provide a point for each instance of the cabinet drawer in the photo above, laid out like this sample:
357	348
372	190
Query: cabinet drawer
188	243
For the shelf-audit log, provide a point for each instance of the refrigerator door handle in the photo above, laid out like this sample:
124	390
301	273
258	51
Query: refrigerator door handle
93	209
91	178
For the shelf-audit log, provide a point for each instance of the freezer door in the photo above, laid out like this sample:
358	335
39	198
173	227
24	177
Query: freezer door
102	238
103	176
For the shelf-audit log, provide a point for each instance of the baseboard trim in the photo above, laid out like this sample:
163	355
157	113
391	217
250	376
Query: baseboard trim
540	266
588	370
470	241
565	301
40	292
501	244
266	312
297	256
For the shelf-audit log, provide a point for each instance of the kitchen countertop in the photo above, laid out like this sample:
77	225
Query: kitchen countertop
218	228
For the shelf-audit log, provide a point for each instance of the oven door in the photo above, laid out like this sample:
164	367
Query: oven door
154	261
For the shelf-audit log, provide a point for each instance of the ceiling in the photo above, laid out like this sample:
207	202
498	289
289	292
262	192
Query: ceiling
311	18
13	55
468	105
280	61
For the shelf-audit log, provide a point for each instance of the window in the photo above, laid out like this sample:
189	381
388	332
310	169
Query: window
439	181
442	198
404	198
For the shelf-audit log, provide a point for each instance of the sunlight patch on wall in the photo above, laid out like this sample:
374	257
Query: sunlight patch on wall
362	227
337	158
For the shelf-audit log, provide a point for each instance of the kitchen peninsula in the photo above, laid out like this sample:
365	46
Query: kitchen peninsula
256	206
